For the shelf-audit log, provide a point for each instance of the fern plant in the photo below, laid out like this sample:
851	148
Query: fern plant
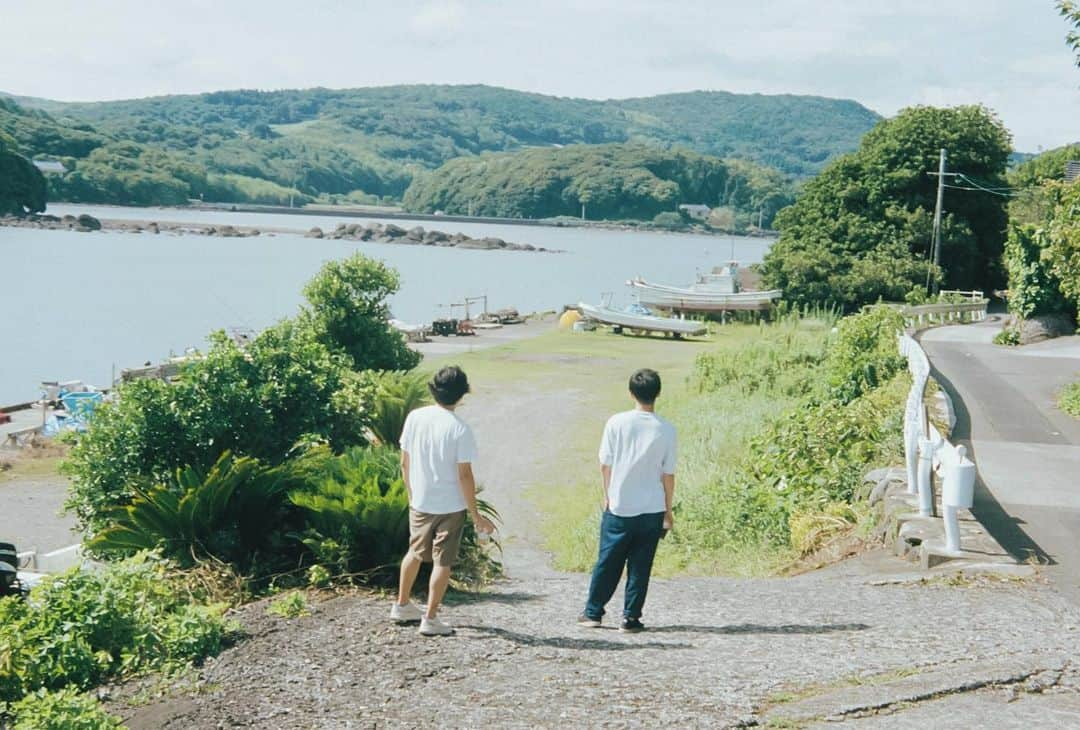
233	513
397	393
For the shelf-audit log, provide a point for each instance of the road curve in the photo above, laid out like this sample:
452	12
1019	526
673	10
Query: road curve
1027	451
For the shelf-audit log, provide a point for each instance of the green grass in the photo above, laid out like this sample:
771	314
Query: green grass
1069	400
714	427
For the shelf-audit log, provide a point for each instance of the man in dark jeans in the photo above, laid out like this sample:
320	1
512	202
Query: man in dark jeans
637	463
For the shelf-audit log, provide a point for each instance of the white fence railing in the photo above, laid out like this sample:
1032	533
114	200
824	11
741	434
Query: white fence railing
928	452
921	315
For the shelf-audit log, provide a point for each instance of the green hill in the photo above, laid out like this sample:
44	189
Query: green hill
360	144
614	181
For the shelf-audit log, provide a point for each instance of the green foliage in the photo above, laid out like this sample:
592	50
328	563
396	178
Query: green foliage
1071	12
290	605
357	516
65	709
1069	400
258	401
22	186
1034	289
1049	165
864	354
83	627
1063	233
1010	337
348	313
126	173
614	181
396	394
375	141
823	409
669	219
233	513
860	231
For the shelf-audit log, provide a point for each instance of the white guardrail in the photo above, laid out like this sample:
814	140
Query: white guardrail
973	310
926	451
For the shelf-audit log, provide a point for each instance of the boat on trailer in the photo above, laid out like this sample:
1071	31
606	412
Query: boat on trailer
718	291
642	322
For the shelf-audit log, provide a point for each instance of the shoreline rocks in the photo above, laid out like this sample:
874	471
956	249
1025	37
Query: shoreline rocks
372	232
417	236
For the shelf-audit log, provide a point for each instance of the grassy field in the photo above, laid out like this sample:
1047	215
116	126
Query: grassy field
715	422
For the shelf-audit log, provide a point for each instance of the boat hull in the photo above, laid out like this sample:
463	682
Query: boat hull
700	300
642	322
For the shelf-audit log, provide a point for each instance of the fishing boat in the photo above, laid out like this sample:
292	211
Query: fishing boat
643	322
718	291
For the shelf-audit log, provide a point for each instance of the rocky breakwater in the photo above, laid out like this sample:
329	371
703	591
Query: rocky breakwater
87	223
83	222
417	236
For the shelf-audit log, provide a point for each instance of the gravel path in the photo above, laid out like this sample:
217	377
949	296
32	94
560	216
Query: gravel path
719	652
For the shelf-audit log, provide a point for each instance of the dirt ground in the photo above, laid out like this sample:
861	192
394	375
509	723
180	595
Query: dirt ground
719	652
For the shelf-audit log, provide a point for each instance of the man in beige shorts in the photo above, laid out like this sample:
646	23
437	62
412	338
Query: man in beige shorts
437	451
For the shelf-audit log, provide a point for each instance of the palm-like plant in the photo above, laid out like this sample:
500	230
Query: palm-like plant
397	393
229	513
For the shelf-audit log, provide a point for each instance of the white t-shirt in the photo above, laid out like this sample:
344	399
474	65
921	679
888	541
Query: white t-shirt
437	440
639	447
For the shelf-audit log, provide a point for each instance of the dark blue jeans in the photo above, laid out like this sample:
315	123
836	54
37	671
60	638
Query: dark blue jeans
629	541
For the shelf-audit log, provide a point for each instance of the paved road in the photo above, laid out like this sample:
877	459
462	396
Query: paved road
1026	450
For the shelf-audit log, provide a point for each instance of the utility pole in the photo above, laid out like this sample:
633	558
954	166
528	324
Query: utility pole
935	246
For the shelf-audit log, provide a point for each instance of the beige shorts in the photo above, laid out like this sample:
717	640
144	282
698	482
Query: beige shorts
436	538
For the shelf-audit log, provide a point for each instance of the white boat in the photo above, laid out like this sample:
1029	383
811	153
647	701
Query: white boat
642	322
714	292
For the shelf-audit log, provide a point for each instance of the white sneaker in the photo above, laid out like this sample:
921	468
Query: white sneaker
434	627
405	614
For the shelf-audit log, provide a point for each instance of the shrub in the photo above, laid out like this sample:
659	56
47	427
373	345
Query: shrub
357	516
1033	287
865	353
1069	401
257	401
82	627
1010	337
396	394
290	605
65	709
234	513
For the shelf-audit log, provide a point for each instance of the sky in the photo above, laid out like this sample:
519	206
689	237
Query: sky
1009	55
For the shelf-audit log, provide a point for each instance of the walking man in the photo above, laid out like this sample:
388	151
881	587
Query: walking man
437	451
637	465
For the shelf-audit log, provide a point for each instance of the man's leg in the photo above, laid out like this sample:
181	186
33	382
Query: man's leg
440	579
410	568
614	542
646	536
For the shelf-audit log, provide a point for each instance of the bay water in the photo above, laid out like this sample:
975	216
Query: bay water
81	305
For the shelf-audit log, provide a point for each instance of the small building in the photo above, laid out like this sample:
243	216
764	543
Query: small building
1072	171
50	166
696	210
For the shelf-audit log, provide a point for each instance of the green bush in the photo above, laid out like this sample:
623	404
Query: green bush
82	627
865	353
235	513
1010	337
1034	289
396	394
357	516
65	709
1069	401
258	401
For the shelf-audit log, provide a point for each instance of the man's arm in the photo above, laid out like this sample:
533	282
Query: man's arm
605	476
468	490
405	472
668	480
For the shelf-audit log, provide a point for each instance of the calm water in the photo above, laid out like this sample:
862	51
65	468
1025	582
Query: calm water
77	304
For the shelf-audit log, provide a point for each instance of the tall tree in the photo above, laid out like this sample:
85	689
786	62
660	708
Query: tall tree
1071	12
861	229
22	186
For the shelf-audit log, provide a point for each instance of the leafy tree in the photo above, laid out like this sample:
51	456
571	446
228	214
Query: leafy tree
1063	231
22	186
348	313
615	181
260	402
1034	288
860	231
1071	12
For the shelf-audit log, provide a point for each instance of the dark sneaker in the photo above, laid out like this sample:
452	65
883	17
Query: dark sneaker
632	626
588	623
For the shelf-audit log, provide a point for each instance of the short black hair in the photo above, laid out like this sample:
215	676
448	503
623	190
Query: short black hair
449	385
645	386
